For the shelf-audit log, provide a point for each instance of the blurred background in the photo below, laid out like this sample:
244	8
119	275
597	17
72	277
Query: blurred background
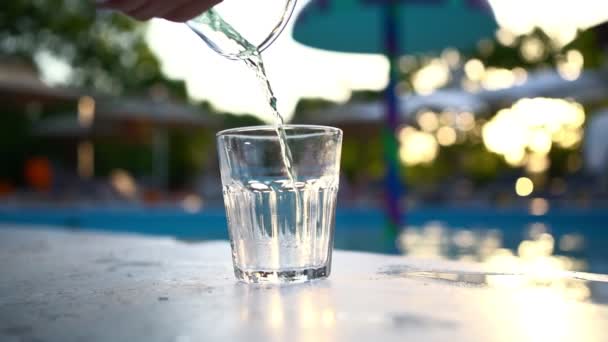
107	123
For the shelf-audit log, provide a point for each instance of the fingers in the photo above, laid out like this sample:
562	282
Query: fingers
176	10
154	9
122	5
190	9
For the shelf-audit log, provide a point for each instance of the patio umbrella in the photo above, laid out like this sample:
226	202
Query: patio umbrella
393	27
419	25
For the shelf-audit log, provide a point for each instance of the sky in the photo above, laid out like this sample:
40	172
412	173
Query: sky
297	71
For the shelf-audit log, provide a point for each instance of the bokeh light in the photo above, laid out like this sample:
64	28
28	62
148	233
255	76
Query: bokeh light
474	69
192	203
431	77
531	127
532	49
86	111
491	78
446	136
571	65
465	121
86	159
539	206
428	121
524	186
505	37
417	147
124	183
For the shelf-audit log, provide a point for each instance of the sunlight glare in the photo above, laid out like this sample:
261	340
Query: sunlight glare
417	147
530	127
560	19
431	77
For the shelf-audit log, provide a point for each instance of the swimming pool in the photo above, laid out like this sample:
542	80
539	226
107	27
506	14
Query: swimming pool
577	239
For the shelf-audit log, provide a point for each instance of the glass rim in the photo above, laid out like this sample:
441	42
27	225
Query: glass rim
319	130
278	29
268	40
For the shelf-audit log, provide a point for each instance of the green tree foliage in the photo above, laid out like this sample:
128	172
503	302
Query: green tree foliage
240	120
106	51
588	43
135	158
492	53
14	132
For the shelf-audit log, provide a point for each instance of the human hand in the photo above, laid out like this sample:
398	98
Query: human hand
174	10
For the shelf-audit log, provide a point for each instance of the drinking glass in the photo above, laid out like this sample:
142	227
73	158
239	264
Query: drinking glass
236	29
281	229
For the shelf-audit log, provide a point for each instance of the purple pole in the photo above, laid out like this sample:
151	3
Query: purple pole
393	186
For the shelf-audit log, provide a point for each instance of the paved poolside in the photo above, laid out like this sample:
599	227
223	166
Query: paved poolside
60	285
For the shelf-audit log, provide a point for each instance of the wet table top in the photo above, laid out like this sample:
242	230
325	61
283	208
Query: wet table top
58	285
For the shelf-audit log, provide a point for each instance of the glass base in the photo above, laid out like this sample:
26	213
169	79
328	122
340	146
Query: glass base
281	277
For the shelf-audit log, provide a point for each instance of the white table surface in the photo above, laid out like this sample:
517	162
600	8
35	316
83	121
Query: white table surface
60	285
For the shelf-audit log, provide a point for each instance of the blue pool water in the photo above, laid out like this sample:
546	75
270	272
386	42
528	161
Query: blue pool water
456	233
